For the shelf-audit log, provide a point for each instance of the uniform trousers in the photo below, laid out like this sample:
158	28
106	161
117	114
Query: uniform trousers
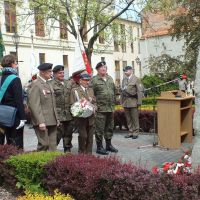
65	131
132	118
47	140
86	132
104	125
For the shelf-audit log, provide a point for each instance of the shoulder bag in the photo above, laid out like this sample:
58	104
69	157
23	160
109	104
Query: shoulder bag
7	113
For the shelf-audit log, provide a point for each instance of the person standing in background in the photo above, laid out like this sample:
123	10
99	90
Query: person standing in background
104	91
131	98
42	106
62	95
13	97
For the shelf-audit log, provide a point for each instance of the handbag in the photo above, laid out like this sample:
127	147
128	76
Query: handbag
7	113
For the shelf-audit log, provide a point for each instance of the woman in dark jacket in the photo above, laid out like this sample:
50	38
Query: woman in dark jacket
13	97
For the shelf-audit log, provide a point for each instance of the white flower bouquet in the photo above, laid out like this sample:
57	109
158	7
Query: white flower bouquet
82	108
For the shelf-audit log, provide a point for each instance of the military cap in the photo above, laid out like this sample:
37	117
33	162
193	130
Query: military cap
58	68
102	63
127	68
45	66
85	76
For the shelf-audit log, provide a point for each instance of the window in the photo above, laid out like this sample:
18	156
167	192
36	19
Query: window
123	37
66	65
39	24
132	47
124	63
10	16
133	64
116	46
101	38
63	29
65	61
102	59
42	58
117	72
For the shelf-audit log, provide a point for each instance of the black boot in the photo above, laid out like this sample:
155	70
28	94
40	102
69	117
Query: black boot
67	149
109	147
100	149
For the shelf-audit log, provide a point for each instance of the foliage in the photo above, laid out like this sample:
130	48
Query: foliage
36	196
29	168
8	150
166	67
151	81
98	16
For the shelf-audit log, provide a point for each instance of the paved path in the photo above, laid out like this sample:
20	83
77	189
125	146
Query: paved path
128	148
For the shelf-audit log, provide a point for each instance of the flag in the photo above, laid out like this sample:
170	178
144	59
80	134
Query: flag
2	48
33	64
81	61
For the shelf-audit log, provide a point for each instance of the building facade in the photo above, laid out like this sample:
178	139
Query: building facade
156	39
35	42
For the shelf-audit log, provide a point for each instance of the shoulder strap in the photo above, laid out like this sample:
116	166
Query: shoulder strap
5	85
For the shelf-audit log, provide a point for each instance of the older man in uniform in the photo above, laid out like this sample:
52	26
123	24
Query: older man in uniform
62	91
42	105
131	98
104	91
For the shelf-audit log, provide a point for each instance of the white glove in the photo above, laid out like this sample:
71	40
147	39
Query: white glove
21	124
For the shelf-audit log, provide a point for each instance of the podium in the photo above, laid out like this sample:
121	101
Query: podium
174	118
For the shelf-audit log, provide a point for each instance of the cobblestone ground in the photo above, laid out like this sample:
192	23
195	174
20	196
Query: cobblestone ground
129	150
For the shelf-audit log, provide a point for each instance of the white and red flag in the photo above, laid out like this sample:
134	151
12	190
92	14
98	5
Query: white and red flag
81	61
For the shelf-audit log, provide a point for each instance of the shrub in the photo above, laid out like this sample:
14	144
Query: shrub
6	173
8	150
146	119
78	174
29	168
36	196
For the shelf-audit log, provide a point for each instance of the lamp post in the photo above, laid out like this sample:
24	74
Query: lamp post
138	61
16	39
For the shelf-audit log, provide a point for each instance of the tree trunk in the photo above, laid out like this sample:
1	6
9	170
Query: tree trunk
196	119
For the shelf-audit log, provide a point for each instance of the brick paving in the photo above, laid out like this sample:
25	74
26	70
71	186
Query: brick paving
129	149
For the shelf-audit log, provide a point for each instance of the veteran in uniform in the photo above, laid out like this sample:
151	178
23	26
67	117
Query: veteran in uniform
104	91
42	106
131	97
62	91
85	125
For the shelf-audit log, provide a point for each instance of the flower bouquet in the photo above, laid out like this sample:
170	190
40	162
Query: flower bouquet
82	108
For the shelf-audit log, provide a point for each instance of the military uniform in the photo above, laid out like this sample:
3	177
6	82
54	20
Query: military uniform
131	97
104	91
62	96
42	105
85	125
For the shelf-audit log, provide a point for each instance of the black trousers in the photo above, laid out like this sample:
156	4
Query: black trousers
13	136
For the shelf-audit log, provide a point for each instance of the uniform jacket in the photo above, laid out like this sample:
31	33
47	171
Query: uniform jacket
42	103
104	92
14	97
131	92
62	96
89	96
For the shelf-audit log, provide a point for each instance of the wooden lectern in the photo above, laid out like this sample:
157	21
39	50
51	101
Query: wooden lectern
174	118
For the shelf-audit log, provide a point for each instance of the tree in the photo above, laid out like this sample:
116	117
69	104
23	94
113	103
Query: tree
99	15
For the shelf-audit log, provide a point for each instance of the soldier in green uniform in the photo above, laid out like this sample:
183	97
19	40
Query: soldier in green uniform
62	91
104	91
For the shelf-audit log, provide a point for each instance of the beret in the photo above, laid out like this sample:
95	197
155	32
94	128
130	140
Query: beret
102	63
58	68
45	66
127	68
85	76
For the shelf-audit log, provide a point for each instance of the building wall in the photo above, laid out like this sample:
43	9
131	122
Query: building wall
156	39
54	47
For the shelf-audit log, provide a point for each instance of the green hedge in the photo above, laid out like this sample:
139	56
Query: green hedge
29	169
